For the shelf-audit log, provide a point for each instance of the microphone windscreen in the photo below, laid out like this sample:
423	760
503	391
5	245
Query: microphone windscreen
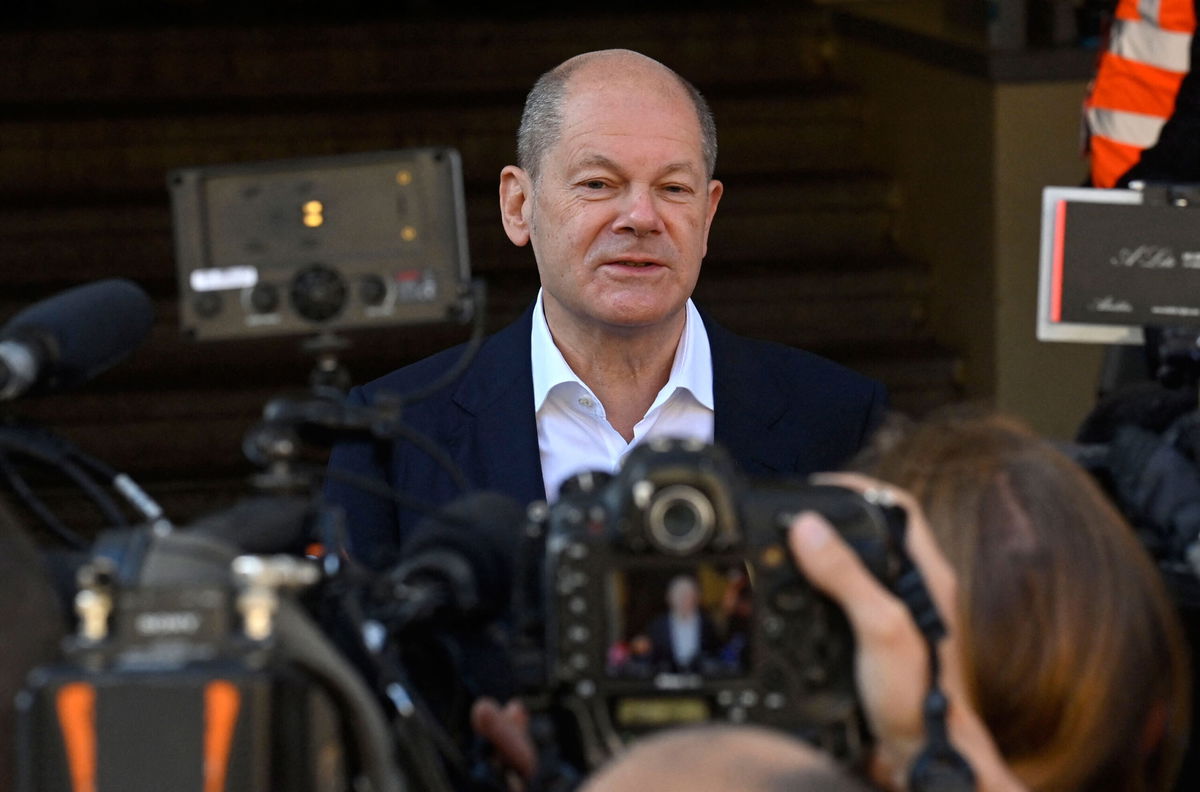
84	330
482	528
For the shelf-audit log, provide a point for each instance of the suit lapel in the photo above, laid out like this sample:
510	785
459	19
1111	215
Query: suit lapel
497	442
748	403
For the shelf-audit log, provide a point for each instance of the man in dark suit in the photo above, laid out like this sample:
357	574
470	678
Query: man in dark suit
683	639
614	192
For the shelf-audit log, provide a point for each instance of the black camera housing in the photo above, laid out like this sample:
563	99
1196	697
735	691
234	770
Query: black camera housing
678	509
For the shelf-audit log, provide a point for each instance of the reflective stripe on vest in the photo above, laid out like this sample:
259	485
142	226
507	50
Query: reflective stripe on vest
1147	43
1133	129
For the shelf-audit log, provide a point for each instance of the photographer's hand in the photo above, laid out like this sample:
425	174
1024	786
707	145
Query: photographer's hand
892	662
507	729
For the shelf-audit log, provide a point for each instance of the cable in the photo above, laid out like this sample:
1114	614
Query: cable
479	298
27	443
22	490
300	641
434	451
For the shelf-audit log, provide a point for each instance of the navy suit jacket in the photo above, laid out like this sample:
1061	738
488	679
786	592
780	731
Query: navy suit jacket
777	410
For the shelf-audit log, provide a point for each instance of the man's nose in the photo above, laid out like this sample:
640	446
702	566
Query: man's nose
639	213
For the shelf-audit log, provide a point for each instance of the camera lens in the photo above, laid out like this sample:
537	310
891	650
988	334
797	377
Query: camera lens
680	519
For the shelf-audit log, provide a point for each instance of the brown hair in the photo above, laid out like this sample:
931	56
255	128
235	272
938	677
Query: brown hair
1073	652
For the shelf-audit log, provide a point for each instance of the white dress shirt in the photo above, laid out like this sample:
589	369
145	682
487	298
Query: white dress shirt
573	433
685	638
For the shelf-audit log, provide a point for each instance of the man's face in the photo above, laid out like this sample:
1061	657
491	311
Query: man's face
683	598
620	213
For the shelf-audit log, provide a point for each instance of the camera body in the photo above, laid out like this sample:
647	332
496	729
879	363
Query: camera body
670	597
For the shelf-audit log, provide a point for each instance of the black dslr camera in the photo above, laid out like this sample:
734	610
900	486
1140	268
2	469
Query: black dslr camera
670	597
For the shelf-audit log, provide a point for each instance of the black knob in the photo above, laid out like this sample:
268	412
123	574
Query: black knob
264	298
318	293
207	304
372	290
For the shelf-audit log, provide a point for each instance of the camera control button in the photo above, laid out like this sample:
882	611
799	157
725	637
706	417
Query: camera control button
749	698
586	688
264	298
372	290
577	551
791	597
774	700
578	633
773	627
577	606
737	715
725	698
579	661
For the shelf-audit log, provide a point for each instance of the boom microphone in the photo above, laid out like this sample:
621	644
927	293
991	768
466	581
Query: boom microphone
68	339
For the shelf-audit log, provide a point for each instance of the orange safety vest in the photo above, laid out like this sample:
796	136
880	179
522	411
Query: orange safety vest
1148	55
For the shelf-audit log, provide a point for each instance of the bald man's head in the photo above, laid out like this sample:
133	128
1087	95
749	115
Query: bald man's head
721	758
541	122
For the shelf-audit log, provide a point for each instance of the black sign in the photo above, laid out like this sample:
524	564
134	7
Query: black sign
1126	264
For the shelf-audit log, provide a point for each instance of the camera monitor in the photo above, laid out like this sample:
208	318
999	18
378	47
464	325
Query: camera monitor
1115	261
309	245
681	617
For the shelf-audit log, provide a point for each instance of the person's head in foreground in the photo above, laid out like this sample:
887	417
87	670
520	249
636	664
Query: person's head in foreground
1072	651
720	758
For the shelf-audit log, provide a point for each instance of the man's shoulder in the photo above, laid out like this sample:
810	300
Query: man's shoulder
788	366
497	351
413	376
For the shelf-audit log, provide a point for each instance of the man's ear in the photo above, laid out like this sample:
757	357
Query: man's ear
516	196
715	191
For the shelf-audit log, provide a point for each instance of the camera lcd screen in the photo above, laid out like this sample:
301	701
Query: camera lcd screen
686	618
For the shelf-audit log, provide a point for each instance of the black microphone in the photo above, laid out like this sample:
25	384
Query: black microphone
68	339
459	562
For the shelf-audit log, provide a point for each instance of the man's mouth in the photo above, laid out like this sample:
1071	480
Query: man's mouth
638	264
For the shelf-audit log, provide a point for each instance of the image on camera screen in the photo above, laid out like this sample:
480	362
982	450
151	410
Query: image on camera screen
689	618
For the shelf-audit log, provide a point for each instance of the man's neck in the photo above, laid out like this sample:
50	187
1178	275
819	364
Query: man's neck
624	367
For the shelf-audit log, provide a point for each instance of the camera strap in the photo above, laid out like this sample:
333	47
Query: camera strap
938	767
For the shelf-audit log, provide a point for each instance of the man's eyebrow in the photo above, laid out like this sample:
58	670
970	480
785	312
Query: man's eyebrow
601	161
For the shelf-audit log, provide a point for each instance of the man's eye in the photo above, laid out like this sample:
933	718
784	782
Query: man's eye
678	189
594	184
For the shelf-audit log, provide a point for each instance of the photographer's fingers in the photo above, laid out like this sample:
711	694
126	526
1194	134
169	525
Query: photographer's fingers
834	568
892	660
507	730
919	540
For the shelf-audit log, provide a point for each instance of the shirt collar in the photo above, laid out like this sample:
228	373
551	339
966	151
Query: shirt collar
691	370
